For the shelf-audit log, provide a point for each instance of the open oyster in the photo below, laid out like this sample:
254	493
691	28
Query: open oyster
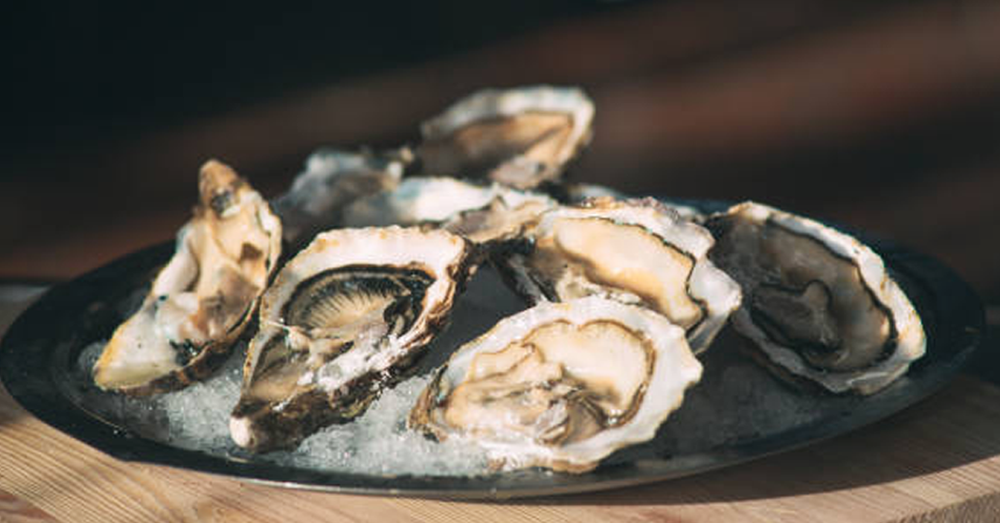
342	319
481	213
577	193
201	300
818	303
561	385
634	251
519	137
331	181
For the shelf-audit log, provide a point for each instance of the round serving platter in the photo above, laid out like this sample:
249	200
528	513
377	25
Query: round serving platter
738	412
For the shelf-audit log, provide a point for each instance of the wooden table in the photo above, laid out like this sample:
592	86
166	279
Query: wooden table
936	461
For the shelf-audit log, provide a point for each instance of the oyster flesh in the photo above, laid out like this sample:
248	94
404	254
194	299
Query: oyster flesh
519	137
331	181
480	213
635	251
201	301
819	303
342	319
561	385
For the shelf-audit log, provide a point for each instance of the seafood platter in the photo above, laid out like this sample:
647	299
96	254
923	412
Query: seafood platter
457	317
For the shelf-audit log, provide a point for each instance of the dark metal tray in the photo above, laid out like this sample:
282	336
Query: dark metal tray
40	351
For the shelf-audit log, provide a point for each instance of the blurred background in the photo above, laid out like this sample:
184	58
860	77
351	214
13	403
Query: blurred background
884	116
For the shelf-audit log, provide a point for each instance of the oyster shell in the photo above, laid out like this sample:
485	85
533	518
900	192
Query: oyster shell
576	193
635	251
343	317
481	213
579	193
561	385
519	137
201	300
819	303
331	181
506	217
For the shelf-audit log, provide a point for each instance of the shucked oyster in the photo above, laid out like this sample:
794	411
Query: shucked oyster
480	213
331	181
577	193
519	137
561	385
343	317
635	251
201	301
818	303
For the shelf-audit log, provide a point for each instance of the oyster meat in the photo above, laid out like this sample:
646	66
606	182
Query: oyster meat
819	303
635	251
520	137
561	385
481	213
342	320
201	301
331	181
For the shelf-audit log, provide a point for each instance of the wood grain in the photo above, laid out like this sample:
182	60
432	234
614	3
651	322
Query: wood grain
15	510
938	460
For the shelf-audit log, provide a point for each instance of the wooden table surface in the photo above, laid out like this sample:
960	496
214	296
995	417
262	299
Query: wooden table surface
884	117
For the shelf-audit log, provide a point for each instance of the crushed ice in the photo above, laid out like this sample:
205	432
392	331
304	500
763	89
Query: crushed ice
736	401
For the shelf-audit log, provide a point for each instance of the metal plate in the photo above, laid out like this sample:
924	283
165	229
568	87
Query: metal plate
39	353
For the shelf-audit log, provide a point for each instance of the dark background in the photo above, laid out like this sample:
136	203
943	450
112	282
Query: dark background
884	116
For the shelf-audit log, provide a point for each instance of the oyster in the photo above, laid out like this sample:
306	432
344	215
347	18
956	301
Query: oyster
343	317
635	251
201	300
577	193
561	385
519	137
480	213
506	217
331	181
818	303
